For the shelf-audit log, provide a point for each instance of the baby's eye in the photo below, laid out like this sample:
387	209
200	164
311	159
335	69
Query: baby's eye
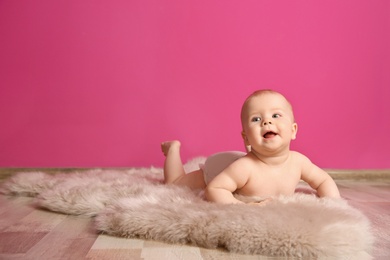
276	115
256	119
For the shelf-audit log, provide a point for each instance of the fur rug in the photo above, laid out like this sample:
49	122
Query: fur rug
135	203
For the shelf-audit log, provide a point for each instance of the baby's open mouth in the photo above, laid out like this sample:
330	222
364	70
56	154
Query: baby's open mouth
269	134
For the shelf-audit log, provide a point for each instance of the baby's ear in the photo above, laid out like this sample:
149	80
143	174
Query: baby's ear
294	131
246	142
243	134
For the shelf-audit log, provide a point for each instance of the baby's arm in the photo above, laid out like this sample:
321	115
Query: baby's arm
318	179
221	188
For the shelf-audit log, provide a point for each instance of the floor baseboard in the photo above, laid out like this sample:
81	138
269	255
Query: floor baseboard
359	174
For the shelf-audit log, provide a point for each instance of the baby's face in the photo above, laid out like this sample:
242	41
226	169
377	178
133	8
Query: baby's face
268	123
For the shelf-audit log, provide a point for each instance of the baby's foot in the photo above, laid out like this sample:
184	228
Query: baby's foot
168	145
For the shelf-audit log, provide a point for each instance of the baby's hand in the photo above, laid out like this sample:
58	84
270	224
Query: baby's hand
261	203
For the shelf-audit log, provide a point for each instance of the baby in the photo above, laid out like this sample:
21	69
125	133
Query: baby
268	169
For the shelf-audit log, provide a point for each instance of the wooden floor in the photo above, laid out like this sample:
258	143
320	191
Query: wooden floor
30	233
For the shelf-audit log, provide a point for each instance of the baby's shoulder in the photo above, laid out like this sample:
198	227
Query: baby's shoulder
245	163
244	160
299	157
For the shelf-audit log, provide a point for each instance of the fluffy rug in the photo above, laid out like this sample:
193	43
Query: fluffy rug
135	203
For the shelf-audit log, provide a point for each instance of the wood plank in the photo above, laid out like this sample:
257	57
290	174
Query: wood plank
19	242
110	247
360	195
174	252
71	239
110	254
378	190
37	221
13	210
12	256
379	216
105	241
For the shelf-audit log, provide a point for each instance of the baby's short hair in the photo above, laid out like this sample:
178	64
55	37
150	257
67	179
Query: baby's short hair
259	93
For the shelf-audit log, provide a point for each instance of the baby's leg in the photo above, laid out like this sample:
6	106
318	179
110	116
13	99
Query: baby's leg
174	171
173	167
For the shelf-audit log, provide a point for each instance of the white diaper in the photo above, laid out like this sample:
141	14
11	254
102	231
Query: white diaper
216	163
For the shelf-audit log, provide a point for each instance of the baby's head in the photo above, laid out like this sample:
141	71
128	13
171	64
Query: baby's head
257	93
267	107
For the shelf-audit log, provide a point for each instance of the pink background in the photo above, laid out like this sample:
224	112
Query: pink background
102	83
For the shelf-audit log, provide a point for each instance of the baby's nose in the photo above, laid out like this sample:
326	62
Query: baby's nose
267	122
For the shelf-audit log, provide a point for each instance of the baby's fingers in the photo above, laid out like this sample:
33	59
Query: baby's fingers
261	203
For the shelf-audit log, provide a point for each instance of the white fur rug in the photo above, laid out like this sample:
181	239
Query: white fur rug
134	203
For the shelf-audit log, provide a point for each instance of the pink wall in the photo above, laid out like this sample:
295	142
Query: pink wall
102	83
